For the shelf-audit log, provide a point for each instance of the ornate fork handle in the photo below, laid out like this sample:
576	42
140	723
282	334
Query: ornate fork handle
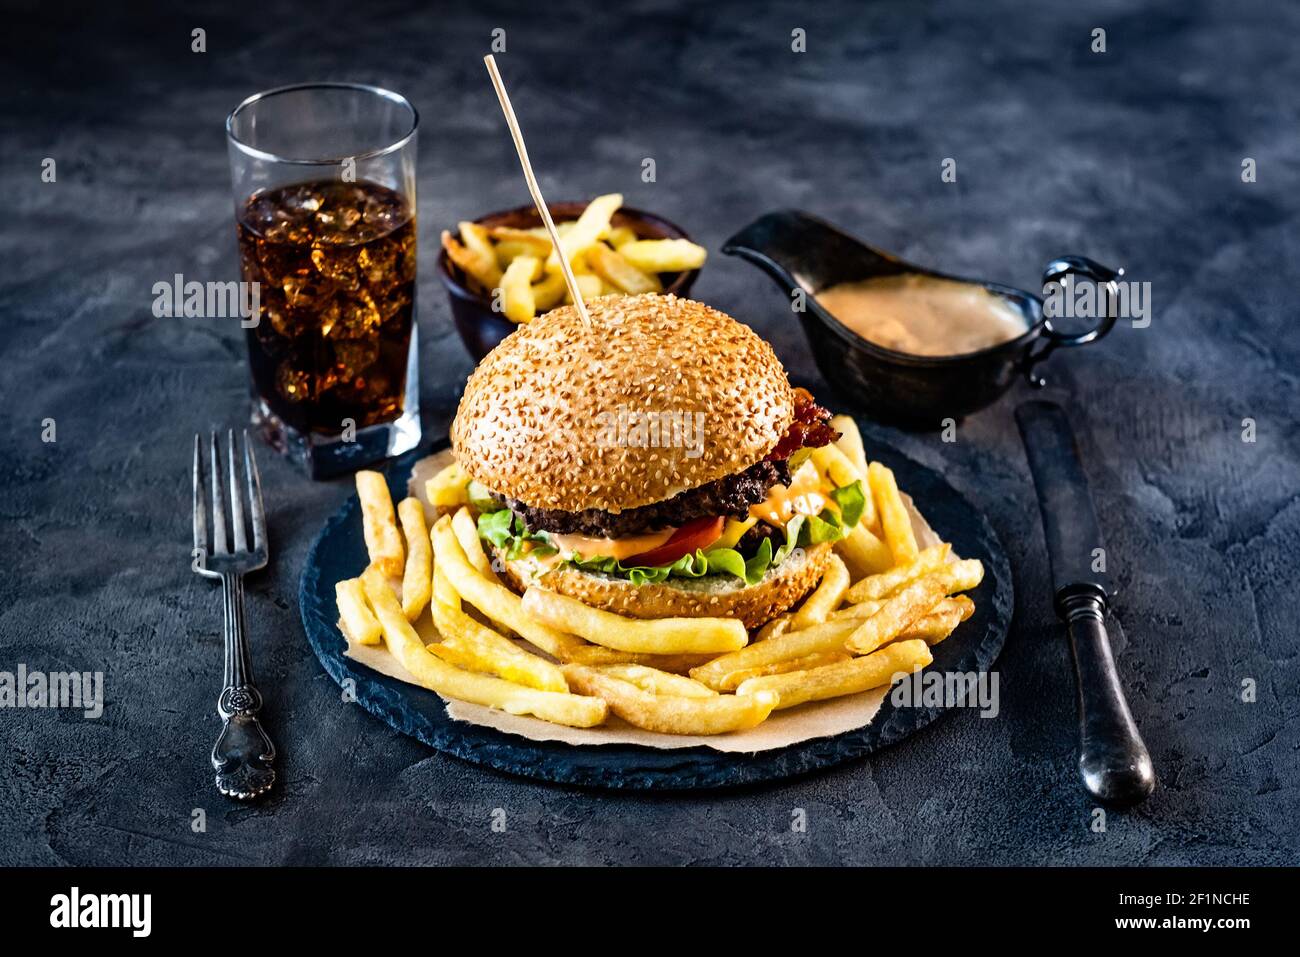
243	756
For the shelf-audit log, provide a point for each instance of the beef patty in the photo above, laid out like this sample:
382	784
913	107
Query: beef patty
732	495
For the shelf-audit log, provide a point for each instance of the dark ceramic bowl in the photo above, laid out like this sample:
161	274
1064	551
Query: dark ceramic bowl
481	329
802	252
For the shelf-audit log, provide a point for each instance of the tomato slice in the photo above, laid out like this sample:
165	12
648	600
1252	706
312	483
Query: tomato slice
700	533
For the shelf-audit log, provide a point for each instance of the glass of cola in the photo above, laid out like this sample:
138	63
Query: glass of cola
324	184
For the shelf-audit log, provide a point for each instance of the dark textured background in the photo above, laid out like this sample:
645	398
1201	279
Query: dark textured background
1132	157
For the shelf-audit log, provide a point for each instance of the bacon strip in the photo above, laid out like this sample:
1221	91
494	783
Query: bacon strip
810	429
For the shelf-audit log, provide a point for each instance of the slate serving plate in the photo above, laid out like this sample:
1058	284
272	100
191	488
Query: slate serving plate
339	552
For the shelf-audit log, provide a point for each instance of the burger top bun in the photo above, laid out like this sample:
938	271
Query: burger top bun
556	415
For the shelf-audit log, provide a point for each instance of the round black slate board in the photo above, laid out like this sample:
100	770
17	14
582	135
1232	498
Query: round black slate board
339	552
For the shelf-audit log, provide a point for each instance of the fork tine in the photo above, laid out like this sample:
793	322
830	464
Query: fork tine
236	496
219	546
200	513
254	495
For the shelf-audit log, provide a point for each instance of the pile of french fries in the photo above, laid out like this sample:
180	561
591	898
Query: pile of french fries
881	605
520	271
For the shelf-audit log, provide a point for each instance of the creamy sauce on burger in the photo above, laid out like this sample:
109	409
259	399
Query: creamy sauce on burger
585	546
923	315
804	495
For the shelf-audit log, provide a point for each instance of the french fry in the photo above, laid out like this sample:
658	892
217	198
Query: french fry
482	269
850	441
960	576
467	534
845	677
894	520
469	644
599	656
379	525
360	621
417	579
493	599
589	286
560	228
841	470
895	614
535	245
829	636
664	255
658	682
443	590
806	663
517	302
838	467
914	601
777	626
620	236
548	293
508	251
941	622
662	636
672	714
586	229
620	273
863	609
875	587
447	489
863	552
825	599
477	239
430	671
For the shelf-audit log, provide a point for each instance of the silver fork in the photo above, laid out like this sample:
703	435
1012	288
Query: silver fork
243	756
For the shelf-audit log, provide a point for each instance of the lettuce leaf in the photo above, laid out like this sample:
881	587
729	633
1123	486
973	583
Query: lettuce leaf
696	564
506	531
852	501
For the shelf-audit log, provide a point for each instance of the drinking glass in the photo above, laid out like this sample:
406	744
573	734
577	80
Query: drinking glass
324	187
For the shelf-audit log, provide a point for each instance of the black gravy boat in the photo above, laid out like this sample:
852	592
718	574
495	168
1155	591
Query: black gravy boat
802	252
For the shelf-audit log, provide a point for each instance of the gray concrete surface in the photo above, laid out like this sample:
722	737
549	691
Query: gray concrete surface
1132	157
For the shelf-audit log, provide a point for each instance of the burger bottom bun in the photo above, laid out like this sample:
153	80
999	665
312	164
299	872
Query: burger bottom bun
714	596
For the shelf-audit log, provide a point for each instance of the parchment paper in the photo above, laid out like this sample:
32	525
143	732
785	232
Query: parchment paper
816	719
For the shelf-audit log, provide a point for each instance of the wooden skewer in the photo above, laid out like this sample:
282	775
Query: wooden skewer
533	188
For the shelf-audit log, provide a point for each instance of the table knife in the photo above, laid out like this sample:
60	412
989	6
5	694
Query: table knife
1113	761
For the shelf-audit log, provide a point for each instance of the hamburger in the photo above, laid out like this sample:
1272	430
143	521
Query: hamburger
654	463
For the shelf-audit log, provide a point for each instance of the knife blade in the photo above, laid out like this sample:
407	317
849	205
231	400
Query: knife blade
1113	760
1074	542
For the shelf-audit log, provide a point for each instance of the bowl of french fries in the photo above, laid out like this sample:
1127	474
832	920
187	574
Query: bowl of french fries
501	271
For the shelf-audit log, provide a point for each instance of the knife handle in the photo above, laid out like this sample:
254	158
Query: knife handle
1113	761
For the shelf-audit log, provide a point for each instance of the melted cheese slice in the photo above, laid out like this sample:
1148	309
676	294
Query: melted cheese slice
807	494
618	548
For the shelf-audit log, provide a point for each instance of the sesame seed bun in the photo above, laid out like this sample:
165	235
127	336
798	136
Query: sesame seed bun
713	596
539	420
